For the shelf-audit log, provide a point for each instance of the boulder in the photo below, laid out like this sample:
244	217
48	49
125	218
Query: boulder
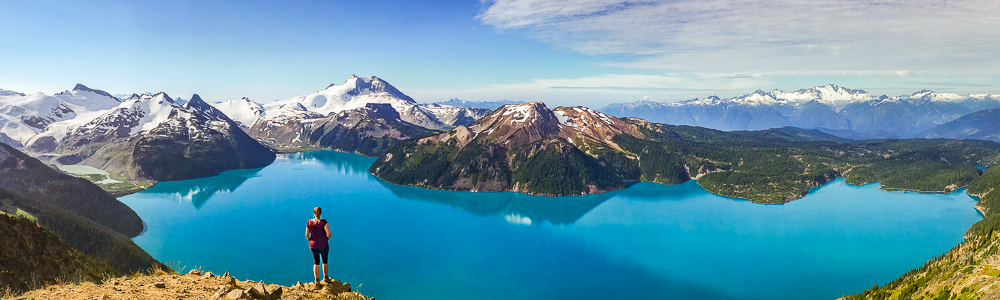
336	287
276	293
236	294
194	272
258	292
160	285
208	275
221	292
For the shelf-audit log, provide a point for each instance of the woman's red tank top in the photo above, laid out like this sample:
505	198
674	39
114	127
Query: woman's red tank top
318	232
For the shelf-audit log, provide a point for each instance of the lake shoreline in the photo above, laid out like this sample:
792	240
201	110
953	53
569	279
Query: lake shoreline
178	212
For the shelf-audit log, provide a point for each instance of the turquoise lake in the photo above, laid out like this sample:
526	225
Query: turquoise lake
649	241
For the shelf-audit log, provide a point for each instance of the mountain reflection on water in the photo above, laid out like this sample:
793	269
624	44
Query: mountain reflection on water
347	163
514	207
198	191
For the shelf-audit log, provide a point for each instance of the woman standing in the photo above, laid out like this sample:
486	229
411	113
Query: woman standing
318	234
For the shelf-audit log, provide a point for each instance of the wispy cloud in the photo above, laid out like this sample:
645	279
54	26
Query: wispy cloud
597	91
768	37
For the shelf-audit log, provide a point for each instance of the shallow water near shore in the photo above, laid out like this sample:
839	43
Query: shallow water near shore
648	241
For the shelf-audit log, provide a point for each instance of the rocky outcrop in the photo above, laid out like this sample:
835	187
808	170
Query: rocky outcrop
161	285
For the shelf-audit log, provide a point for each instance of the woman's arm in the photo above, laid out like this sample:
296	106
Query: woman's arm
328	234
307	234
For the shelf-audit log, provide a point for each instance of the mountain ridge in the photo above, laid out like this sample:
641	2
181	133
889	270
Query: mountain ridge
980	125
830	107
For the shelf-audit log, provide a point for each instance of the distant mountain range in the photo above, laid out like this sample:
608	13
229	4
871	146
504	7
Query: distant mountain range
842	111
478	104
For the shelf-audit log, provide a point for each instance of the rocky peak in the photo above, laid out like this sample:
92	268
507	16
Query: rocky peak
922	94
593	124
199	107
84	88
4	92
833	88
381	111
518	124
356	86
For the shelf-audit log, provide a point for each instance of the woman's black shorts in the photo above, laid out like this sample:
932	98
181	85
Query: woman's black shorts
320	253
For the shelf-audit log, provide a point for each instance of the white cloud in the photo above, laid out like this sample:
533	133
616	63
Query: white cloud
943	37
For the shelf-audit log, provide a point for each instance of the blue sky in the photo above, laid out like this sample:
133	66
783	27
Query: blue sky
583	52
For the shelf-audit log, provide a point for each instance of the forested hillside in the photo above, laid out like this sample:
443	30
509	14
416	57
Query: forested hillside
33	257
84	215
780	165
31	178
970	270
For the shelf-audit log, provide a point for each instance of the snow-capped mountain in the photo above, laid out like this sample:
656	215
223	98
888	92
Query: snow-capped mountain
242	110
147	137
370	130
22	116
478	104
152	137
452	115
4	92
356	92
826	107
